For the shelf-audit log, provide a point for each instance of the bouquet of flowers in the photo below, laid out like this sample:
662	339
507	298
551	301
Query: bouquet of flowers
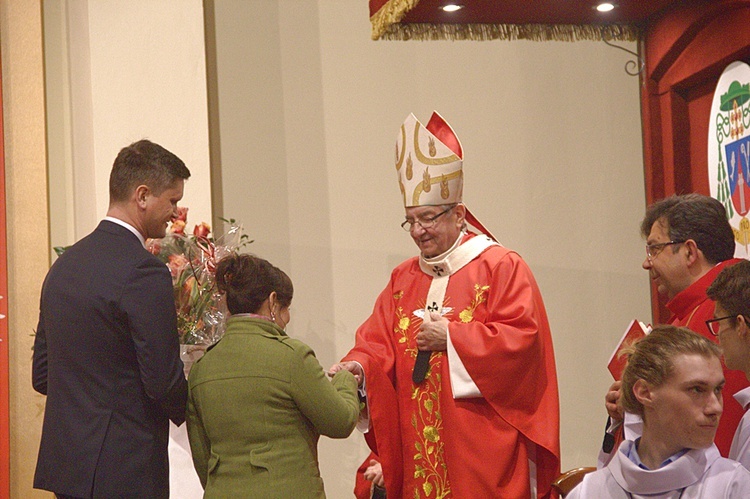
192	259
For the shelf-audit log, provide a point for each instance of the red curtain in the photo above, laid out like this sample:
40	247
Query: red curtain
4	384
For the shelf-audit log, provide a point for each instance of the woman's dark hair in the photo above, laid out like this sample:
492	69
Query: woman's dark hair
248	280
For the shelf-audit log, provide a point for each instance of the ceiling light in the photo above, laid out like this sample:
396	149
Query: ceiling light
605	7
451	7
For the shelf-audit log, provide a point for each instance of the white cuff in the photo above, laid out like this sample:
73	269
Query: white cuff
461	383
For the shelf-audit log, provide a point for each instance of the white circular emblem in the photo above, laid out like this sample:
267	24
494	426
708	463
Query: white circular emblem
729	150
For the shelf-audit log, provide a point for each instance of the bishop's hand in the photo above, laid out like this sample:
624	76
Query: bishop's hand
433	335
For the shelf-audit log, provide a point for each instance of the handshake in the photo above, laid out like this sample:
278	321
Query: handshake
352	367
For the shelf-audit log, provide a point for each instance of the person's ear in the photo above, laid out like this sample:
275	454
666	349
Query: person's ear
141	195
643	393
742	327
691	251
460	213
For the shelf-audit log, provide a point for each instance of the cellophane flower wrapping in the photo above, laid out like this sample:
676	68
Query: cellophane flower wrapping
192	259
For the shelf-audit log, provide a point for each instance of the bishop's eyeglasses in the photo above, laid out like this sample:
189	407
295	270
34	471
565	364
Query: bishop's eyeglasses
425	223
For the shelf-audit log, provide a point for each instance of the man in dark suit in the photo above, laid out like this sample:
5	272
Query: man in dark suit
106	351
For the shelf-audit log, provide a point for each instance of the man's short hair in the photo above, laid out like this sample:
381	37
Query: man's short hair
144	163
731	289
694	216
652	359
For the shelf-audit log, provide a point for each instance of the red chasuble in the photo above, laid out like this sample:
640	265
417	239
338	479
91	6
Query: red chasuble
692	308
432	445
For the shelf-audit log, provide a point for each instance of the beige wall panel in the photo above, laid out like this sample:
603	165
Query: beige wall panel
26	198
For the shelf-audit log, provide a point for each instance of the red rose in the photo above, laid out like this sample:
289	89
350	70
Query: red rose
181	214
176	264
178	227
202	230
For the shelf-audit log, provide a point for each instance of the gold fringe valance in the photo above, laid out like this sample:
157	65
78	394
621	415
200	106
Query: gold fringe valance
390	14
485	32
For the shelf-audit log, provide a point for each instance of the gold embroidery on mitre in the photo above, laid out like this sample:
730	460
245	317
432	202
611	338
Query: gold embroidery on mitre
409	168
444	191
451	158
431	147
433	180
467	315
400	159
426	186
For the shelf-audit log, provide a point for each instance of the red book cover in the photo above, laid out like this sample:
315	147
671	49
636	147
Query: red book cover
635	331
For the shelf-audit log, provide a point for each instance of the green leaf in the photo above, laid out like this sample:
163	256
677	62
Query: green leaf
60	249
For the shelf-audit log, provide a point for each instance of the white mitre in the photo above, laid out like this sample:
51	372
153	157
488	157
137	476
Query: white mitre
429	163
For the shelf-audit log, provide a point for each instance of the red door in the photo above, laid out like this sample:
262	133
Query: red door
686	48
4	385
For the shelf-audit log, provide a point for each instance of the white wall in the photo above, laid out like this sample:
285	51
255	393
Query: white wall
119	71
309	110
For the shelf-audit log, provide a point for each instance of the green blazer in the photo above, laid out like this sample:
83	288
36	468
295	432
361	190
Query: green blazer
258	402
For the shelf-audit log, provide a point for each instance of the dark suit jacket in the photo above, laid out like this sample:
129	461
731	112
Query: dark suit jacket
106	354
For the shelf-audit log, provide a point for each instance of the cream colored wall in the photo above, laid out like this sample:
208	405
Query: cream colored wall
27	228
309	111
119	71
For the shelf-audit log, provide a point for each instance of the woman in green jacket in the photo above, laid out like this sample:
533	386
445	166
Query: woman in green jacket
258	399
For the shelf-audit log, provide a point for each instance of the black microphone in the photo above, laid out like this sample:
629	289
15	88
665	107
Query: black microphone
421	366
609	440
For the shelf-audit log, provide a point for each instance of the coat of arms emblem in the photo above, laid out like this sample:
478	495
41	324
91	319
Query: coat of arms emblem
729	150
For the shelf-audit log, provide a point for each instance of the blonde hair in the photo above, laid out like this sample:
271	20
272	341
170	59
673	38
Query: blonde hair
652	359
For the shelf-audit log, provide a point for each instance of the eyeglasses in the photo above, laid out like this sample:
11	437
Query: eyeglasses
425	223
654	249
713	324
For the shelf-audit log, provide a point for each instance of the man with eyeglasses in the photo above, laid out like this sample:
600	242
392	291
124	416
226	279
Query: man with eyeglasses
731	324
688	242
456	359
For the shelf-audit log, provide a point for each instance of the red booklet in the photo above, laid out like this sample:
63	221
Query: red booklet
635	331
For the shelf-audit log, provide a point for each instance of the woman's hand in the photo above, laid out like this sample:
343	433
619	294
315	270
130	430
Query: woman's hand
352	367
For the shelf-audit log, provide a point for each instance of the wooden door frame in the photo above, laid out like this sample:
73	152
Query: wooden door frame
683	51
4	361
